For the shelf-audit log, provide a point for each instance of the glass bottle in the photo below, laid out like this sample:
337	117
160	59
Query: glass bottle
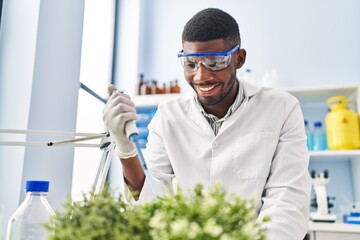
154	88
28	220
170	88
161	90
140	83
176	87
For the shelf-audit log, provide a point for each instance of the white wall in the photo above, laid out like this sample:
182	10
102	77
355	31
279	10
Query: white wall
40	46
126	51
310	43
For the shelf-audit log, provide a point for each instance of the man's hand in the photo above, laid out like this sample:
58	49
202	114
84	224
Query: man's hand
118	110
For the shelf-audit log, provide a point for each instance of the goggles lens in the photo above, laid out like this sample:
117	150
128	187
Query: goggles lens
214	61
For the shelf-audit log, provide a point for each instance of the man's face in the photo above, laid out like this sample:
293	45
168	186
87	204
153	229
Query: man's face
213	87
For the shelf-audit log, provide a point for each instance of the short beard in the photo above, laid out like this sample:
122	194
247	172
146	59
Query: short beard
212	102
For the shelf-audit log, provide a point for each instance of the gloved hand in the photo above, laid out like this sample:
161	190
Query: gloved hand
117	111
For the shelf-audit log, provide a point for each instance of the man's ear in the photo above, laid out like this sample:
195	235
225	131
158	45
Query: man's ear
240	58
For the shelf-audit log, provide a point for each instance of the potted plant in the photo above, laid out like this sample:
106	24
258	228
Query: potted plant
198	214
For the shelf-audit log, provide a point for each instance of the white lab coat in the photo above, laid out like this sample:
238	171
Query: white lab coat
260	151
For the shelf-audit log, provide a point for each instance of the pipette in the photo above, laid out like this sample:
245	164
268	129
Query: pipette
133	134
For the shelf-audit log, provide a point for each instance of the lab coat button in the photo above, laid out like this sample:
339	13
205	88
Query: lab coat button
215	144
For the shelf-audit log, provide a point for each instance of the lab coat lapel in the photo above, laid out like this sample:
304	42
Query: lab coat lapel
199	119
249	91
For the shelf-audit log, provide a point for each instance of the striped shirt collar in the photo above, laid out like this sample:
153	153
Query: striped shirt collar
213	120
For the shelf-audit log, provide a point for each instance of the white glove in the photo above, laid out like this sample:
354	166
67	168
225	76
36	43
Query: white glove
117	111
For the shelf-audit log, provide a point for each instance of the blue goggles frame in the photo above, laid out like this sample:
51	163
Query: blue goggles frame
205	54
216	62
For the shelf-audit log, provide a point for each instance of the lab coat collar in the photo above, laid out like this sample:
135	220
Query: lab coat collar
250	89
196	115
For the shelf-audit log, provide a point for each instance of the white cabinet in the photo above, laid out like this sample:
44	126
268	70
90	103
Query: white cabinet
313	104
333	231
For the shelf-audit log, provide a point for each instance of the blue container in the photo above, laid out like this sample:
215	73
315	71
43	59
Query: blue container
319	137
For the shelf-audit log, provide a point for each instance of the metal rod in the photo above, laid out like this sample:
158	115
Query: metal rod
91	92
75	140
49	133
45	144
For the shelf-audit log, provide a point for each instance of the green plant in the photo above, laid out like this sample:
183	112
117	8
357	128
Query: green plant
199	215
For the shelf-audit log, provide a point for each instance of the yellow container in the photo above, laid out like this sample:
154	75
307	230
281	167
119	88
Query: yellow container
342	125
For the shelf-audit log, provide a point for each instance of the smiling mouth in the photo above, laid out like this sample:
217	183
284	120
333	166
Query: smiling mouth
207	87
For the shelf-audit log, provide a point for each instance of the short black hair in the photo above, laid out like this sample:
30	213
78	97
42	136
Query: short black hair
212	24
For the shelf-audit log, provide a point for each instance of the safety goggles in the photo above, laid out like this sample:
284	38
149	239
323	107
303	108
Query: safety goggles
214	61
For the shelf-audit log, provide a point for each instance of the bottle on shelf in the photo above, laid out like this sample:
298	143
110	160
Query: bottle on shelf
342	125
176	87
140	83
145	88
309	135
170	89
161	90
154	88
28	220
319	137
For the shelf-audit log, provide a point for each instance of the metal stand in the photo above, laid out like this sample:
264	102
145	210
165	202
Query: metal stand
106	145
108	148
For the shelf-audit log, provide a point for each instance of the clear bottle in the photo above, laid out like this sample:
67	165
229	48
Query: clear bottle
309	135
28	220
319	137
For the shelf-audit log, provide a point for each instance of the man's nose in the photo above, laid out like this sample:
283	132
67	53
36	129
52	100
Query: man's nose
202	73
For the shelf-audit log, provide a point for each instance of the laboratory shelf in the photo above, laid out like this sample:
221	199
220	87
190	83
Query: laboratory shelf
332	154
311	94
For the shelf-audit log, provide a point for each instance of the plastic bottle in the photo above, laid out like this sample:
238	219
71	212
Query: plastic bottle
319	137
309	135
28	220
342	125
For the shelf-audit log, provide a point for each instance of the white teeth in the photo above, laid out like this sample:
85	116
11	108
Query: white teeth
206	89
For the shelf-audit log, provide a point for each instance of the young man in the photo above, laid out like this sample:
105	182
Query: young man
251	139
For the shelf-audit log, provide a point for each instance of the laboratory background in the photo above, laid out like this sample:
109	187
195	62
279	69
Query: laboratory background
57	58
